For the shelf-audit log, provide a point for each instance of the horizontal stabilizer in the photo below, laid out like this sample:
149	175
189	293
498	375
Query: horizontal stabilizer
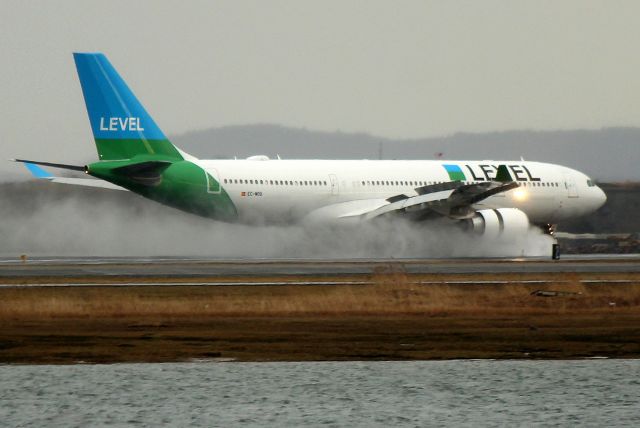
147	173
54	165
37	171
43	174
87	182
143	168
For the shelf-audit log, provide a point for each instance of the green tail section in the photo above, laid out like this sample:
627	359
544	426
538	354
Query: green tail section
179	184
135	154
126	149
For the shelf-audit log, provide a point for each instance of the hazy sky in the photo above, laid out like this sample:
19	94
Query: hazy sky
390	68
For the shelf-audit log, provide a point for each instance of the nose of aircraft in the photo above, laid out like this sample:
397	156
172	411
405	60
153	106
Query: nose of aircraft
599	197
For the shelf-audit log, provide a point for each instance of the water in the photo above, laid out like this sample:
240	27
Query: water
453	393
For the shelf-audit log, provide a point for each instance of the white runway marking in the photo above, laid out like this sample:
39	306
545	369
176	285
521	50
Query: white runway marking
306	283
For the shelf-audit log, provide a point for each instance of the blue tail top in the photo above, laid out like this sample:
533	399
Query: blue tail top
116	114
114	111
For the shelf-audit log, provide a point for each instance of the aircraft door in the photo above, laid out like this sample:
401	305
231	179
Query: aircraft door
570	185
333	179
213	181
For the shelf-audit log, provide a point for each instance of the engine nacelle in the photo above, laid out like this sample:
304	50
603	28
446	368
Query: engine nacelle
499	222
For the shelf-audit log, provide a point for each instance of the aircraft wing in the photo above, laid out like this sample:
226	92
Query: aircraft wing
41	173
450	199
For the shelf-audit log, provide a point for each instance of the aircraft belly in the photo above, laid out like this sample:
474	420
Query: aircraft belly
279	207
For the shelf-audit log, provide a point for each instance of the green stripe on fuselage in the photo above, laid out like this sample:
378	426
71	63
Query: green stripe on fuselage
456	176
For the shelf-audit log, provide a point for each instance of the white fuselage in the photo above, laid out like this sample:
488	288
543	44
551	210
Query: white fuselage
286	190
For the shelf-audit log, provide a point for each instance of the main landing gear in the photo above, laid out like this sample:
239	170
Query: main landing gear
550	229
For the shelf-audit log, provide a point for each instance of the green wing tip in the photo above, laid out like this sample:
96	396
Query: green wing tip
503	175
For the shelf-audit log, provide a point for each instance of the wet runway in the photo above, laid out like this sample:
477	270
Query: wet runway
169	267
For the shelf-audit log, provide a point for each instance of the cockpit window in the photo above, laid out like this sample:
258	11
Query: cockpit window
590	183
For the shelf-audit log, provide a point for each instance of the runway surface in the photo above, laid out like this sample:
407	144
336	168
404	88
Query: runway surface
169	267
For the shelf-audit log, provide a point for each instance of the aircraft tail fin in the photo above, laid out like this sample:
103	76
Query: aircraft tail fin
121	126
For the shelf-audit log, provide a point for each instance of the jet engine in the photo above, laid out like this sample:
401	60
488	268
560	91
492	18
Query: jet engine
498	222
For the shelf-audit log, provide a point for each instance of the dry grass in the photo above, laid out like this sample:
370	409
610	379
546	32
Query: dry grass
391	317
389	293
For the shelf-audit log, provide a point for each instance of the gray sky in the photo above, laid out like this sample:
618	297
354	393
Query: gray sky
397	69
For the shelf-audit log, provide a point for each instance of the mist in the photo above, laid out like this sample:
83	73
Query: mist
53	220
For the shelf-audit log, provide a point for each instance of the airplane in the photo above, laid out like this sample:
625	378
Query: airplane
492	198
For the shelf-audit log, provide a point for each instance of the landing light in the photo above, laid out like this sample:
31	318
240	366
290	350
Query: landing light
520	194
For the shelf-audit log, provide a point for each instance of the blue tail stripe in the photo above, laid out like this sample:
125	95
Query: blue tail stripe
37	171
114	111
